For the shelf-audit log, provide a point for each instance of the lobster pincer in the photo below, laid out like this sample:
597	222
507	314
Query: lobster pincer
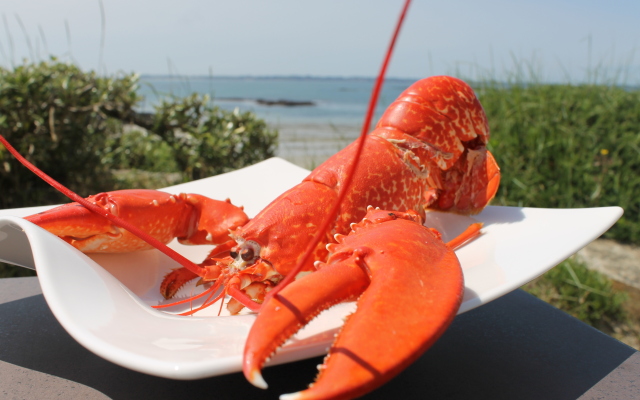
192	218
408	285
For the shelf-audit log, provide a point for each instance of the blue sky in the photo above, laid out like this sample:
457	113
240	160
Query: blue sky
561	40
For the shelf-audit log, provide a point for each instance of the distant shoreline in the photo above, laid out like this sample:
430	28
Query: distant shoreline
272	77
269	102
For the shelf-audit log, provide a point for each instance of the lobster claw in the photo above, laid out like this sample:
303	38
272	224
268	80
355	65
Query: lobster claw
409	286
193	219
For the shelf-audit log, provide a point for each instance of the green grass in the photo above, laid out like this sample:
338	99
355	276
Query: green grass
586	294
564	146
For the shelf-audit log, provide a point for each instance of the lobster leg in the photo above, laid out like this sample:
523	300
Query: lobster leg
409	284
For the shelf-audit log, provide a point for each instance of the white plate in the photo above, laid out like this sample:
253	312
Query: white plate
106	308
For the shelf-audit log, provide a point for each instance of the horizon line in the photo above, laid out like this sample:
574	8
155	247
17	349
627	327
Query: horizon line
271	76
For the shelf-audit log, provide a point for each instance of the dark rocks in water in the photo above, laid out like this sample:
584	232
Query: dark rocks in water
267	102
286	103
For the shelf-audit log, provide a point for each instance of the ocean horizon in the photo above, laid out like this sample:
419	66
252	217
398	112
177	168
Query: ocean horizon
292	77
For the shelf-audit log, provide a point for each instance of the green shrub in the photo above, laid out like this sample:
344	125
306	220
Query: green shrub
191	136
56	116
138	149
207	140
563	146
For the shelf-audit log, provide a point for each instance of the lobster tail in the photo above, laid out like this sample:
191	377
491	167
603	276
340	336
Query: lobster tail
441	121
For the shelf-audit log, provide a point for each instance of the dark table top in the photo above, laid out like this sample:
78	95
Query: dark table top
516	347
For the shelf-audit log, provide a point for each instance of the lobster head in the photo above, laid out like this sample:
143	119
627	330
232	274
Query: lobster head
442	123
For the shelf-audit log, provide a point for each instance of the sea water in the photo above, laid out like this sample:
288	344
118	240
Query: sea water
315	117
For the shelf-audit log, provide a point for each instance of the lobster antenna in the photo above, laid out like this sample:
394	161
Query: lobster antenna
100	211
354	164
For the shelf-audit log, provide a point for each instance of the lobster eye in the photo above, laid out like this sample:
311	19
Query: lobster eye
247	254
233	254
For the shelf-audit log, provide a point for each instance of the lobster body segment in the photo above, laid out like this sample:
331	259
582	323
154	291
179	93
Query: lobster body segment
285	227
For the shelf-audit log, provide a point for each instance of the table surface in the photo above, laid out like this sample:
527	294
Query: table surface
516	347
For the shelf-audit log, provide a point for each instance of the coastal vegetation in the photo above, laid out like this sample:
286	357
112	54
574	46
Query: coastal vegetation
558	146
568	146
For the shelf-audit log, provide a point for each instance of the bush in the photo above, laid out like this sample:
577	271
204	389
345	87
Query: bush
56	116
193	137
206	140
563	146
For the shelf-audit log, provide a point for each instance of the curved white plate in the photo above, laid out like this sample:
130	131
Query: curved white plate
106	307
